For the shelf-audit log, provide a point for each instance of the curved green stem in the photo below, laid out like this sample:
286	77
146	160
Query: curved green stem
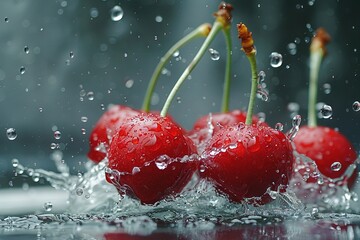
200	31
226	91
254	83
315	61
215	29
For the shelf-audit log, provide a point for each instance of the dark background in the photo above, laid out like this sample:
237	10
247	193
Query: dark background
108	54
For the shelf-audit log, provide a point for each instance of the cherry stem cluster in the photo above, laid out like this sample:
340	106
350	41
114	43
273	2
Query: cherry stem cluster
201	31
215	29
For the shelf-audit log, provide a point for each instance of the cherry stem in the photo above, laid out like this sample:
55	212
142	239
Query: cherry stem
227	81
315	61
215	29
317	53
254	85
201	31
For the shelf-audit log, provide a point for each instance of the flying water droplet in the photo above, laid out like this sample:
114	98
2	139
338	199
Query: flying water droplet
57	134
261	77
296	121
84	119
336	166
356	106
83	131
327	88
293	107
291	47
176	54
48	206
275	59
279	127
326	111
71	54
158	19
129	83
26	49
22	70
215	55
90	96
6	19
11	133
315	212
178	99
15	162
117	13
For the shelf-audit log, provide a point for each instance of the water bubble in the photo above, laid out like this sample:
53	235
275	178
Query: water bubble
71	54
262	94
326	111
26	49
15	162
48	206
90	95
327	88
356	106
166	72
11	133
275	59
158	19
311	2
336	166
129	83
84	119
22	70
79	191
279	126
215	55
57	134
291	47
117	13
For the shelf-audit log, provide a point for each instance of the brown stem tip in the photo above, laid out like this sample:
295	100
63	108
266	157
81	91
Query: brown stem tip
247	42
320	40
223	15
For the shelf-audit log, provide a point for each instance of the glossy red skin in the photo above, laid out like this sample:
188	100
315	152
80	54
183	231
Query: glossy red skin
138	143
325	146
105	128
218	121
262	159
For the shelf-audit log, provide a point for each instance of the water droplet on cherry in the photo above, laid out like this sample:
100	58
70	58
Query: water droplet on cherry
336	166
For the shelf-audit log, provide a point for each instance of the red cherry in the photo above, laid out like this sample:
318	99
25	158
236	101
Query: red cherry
200	131
329	149
245	161
105	128
148	152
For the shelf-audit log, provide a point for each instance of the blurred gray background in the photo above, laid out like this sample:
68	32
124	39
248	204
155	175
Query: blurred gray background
79	60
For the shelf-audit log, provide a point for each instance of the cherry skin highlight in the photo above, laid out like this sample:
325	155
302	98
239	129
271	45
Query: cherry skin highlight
105	128
244	161
329	149
149	154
